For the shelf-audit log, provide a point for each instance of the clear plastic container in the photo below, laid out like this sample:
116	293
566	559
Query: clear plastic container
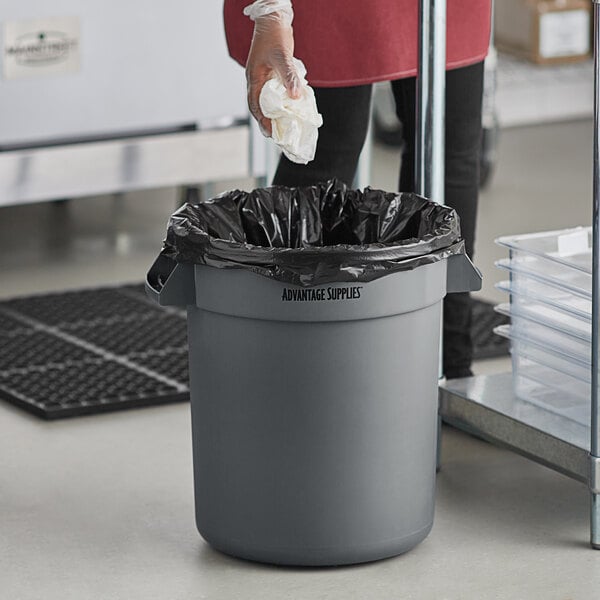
552	380
552	400
522	271
522	312
557	359
550	333
526	291
570	248
563	257
561	382
550	338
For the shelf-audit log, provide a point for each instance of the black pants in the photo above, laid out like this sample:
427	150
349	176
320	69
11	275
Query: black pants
345	121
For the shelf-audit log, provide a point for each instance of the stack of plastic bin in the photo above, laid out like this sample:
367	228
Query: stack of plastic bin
550	289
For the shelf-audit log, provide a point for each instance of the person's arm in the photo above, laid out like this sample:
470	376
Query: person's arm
272	50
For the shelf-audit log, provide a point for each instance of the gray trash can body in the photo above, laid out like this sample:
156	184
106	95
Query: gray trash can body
314	410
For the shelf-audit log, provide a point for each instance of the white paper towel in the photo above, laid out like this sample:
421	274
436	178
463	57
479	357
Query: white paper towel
295	122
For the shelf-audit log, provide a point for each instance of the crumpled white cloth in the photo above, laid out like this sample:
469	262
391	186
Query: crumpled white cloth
295	122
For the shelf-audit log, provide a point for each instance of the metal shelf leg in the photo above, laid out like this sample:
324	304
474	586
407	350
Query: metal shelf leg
595	408
594	481
595	521
438	456
431	110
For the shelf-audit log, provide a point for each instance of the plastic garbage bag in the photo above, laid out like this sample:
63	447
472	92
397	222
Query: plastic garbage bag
314	235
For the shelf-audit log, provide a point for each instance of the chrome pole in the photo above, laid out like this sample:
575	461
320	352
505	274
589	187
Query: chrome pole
431	88
595	420
430	115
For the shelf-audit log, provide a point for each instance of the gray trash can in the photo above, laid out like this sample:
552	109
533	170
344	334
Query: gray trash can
314	409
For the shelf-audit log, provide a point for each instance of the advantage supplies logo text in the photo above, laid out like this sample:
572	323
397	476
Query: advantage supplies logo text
321	294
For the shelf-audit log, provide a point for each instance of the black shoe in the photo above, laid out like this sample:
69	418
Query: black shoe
458	372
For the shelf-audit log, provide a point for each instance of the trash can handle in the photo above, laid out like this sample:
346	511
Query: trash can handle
462	275
170	283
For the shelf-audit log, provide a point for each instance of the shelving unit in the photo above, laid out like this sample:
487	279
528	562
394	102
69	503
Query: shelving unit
486	405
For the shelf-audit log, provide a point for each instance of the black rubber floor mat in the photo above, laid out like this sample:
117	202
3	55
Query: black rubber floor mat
486	344
172	363
82	306
124	337
10	325
91	351
33	348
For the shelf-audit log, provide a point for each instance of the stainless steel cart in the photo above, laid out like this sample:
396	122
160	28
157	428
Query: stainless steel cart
486	405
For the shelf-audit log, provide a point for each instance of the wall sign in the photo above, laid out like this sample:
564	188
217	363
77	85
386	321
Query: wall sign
41	47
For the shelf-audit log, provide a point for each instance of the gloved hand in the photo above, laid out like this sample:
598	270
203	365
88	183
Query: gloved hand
272	50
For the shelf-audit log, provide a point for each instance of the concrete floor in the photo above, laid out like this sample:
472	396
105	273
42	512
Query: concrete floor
505	528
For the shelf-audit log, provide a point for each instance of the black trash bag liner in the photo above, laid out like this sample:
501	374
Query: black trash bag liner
314	235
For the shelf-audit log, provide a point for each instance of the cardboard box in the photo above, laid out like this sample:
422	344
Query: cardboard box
544	31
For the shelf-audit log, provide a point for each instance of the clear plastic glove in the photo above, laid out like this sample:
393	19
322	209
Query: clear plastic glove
271	52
